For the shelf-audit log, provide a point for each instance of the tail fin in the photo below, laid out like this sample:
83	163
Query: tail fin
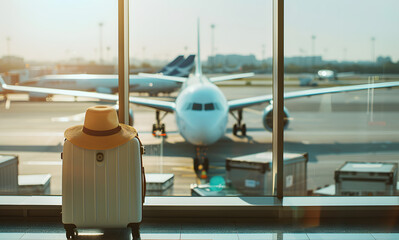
184	68
198	68
170	67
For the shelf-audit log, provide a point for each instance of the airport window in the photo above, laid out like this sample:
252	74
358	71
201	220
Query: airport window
92	56
331	140
347	135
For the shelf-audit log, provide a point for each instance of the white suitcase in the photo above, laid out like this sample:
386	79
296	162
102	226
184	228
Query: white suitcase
102	188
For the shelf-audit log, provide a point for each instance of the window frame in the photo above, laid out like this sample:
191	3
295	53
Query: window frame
276	206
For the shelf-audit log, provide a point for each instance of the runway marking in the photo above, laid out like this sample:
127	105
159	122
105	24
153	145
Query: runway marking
325	104
8	104
74	118
45	163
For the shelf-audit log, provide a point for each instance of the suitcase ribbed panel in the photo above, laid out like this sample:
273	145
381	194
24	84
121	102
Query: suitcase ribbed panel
102	194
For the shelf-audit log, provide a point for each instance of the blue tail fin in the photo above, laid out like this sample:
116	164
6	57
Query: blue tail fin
170	67
184	68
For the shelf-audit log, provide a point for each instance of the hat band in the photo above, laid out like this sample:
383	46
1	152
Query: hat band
101	133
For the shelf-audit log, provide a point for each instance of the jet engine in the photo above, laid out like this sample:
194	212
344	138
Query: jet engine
268	118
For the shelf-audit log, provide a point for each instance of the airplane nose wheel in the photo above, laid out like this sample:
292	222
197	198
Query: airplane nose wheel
242	127
158	128
201	162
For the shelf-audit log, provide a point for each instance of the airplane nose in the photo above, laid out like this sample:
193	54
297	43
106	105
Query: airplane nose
204	130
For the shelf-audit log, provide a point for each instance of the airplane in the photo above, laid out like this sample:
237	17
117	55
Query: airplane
322	75
331	75
201	109
102	83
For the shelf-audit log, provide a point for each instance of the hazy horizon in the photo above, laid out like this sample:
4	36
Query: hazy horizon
56	30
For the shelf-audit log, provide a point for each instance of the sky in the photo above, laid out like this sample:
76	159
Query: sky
56	30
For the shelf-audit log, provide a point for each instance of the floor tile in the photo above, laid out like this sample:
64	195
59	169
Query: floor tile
208	228
295	236
160	236
386	236
11	235
44	236
256	236
160	227
340	236
210	236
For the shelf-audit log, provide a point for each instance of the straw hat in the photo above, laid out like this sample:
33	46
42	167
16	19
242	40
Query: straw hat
101	130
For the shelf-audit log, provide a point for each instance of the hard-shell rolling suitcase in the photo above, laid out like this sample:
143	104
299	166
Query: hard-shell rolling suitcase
103	188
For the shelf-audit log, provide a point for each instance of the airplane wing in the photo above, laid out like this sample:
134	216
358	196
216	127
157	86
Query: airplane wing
164	77
246	102
231	77
152	103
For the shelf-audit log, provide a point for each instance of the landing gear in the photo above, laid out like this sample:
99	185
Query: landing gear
158	128
201	162
239	126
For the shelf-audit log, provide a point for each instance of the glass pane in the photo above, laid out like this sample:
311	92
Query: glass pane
236	37
50	44
331	48
73	45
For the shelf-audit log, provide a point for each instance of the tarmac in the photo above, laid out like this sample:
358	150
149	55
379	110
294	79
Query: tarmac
332	128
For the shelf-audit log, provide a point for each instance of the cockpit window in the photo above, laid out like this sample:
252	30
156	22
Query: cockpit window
209	106
189	106
197	106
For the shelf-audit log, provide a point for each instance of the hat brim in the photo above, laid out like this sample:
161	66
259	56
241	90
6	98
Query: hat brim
77	137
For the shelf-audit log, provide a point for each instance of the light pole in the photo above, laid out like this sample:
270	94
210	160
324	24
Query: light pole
263	53
8	45
313	50
373	49
101	42
108	55
213	45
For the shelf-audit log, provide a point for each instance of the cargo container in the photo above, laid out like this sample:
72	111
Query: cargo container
158	184
366	179
8	174
35	184
252	174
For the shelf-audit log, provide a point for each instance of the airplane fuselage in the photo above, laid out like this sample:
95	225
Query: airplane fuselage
105	83
201	111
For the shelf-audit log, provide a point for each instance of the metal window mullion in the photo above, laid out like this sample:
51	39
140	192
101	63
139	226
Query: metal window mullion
123	60
278	97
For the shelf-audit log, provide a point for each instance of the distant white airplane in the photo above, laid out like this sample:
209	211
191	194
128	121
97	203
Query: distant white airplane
202	110
330	75
102	83
322	74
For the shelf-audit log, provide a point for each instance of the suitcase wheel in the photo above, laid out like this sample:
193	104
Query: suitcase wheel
71	231
135	230
72	234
